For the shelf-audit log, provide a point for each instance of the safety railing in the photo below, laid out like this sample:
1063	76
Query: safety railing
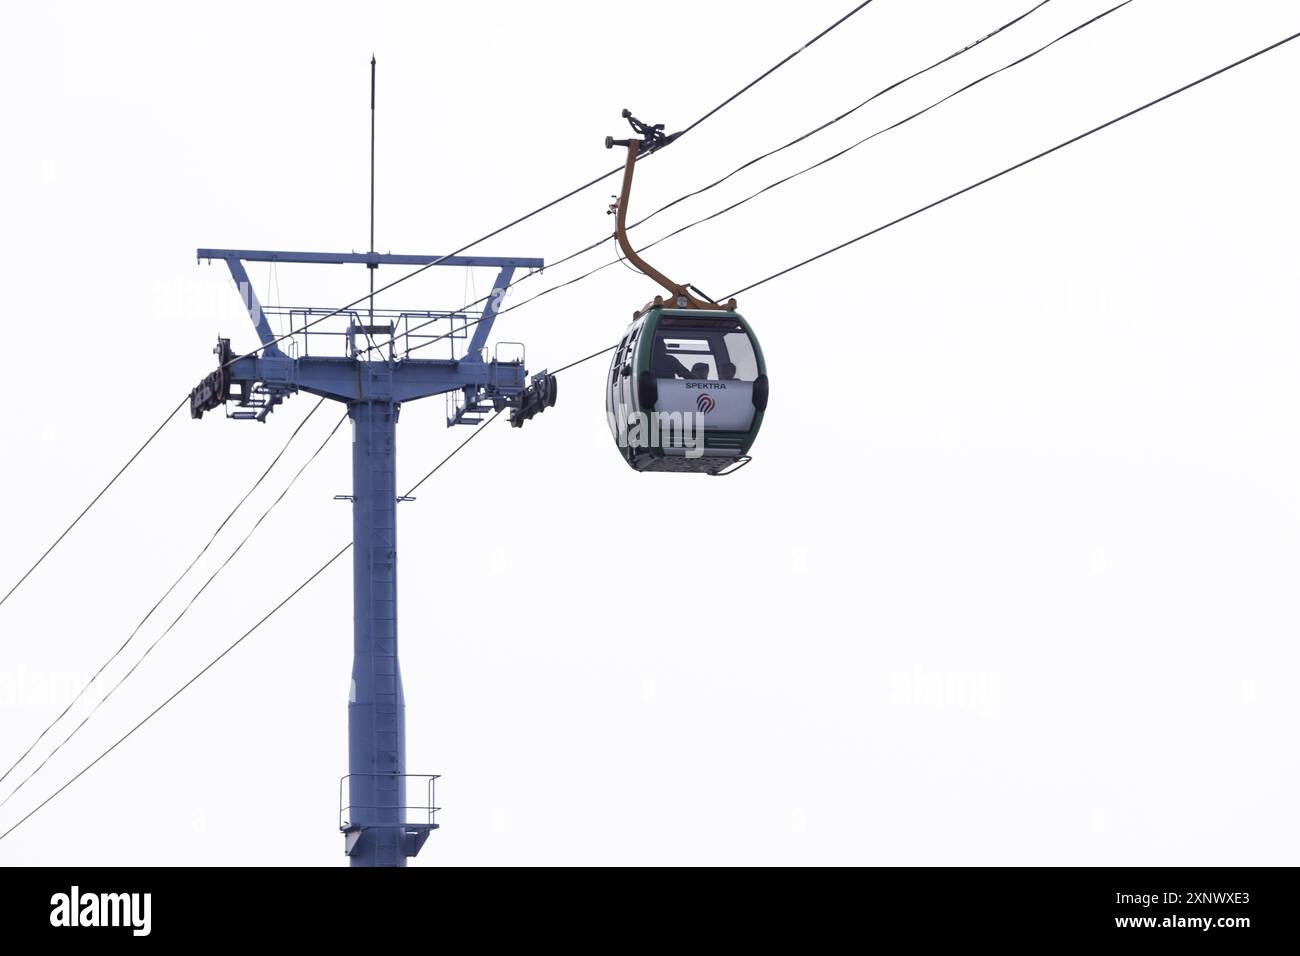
373	812
395	332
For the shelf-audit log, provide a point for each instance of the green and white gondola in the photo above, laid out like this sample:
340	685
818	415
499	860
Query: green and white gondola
686	391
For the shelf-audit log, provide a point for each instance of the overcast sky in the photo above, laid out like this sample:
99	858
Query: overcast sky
1010	580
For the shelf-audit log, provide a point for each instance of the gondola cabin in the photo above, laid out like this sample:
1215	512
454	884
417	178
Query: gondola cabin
686	391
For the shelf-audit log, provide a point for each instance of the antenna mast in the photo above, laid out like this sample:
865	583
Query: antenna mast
372	266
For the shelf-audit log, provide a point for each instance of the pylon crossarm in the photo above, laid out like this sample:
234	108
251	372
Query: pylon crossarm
255	383
347	380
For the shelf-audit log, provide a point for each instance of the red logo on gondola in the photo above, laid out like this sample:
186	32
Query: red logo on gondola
705	404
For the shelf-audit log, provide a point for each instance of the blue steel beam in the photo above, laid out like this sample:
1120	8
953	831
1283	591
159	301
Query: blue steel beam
376	708
369	258
254	307
480	337
348	380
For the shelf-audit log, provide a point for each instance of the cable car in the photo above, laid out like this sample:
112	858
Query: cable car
686	391
687	385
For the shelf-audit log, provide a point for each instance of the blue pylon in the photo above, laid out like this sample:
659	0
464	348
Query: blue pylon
376	372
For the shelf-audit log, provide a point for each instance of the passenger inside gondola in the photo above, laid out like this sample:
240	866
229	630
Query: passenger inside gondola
665	365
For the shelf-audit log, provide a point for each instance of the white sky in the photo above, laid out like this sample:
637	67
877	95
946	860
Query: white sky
1010	579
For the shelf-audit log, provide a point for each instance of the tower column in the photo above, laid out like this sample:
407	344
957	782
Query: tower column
376	709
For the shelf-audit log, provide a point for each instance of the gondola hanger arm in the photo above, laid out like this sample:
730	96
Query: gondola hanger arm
680	295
